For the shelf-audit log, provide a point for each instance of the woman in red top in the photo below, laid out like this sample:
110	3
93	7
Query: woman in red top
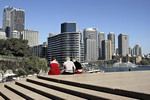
54	65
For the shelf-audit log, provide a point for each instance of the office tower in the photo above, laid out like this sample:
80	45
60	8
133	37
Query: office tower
123	44
40	50
17	20
111	36
69	27
65	44
7	17
101	37
130	50
106	50
31	36
52	34
90	44
137	50
16	34
13	18
117	53
7	31
2	35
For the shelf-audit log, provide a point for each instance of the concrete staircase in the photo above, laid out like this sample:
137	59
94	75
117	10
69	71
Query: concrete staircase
46	88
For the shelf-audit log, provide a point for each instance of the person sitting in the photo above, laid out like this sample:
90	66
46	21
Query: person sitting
68	66
54	67
78	66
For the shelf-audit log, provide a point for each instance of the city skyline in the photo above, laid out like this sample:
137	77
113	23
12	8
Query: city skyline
126	17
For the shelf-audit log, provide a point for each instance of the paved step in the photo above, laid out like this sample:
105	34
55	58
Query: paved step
9	95
1	98
121	92
81	92
50	93
27	94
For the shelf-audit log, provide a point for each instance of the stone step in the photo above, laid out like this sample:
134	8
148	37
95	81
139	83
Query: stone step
77	91
27	94
1	98
50	93
121	92
9	95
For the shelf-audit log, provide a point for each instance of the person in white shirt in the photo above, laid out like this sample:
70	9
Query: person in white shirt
68	66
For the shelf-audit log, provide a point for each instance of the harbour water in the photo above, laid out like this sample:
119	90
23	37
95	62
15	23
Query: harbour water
121	69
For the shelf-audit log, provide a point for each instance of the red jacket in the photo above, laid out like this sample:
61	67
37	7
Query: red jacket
54	69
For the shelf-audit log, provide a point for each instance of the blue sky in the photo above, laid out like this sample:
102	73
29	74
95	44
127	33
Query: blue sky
130	17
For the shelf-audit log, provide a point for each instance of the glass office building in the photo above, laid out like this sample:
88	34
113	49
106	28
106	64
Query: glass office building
65	45
69	27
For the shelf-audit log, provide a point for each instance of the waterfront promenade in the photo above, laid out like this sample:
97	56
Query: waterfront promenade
102	86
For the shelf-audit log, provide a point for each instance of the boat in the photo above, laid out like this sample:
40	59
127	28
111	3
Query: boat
120	64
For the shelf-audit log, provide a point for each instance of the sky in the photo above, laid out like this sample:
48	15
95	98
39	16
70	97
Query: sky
130	17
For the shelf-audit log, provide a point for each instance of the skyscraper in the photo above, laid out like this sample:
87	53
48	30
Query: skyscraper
111	36
90	44
65	45
101	37
31	36
7	16
69	27
130	50
14	19
17	20
123	44
2	35
137	50
106	50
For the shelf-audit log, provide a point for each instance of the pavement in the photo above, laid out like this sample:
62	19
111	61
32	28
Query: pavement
95	86
138	81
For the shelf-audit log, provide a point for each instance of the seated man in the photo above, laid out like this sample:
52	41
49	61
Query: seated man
68	66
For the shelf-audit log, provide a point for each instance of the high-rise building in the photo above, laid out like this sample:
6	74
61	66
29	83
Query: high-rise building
7	16
17	19
69	27
14	19
7	31
90	44
137	50
123	44
52	34
117	53
65	45
101	37
31	36
16	34
111	36
40	50
106	50
2	35
130	51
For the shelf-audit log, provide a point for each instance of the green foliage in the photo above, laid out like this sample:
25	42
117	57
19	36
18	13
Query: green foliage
144	62
4	68
33	64
15	47
28	64
20	72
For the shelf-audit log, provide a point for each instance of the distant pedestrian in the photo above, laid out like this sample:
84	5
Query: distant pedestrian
68	66
129	69
54	67
78	66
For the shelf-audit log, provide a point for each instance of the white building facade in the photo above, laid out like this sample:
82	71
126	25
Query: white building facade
90	44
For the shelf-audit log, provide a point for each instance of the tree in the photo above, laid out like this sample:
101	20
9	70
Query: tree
15	47
144	62
33	64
